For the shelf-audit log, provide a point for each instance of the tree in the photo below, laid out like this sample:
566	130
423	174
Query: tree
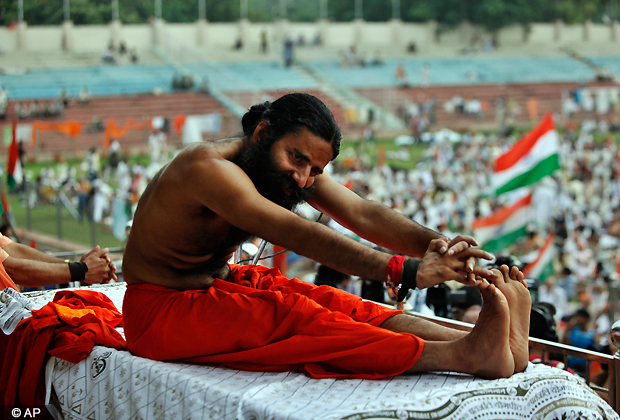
492	14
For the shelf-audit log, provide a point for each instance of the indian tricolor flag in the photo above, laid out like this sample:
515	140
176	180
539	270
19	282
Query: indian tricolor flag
542	266
13	167
499	230
532	158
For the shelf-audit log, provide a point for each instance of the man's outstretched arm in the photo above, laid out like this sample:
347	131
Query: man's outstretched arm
385	227
372	221
231	195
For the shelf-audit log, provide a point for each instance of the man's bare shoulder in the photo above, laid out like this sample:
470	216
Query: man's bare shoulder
205	158
226	149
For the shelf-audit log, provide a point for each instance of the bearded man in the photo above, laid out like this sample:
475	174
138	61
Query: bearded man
185	302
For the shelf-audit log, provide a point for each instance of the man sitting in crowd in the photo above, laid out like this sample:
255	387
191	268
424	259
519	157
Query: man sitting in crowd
184	301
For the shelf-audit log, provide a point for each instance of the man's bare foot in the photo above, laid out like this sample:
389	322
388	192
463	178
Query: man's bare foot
512	284
489	339
484	352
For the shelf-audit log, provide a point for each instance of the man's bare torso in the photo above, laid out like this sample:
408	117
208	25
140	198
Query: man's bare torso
175	240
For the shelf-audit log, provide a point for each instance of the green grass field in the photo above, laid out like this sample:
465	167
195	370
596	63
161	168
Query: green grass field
372	150
44	219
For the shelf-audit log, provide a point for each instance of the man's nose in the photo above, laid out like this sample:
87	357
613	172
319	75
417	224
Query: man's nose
302	178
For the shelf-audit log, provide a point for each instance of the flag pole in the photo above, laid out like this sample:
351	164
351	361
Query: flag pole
12	162
568	215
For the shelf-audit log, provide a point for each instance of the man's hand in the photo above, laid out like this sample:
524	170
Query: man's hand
458	244
100	267
436	267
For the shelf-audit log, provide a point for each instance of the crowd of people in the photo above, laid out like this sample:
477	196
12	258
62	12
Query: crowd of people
351	57
40	109
112	54
600	100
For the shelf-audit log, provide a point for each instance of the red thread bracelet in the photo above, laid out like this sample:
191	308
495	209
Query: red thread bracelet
394	269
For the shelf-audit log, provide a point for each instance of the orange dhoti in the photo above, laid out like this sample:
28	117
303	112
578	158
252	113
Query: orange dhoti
259	320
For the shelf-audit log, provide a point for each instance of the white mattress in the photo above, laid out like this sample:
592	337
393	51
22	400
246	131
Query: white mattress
113	384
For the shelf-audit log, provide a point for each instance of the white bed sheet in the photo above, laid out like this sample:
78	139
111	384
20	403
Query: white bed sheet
113	384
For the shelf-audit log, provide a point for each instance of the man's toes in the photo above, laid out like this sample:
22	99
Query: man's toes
483	285
514	272
499	280
490	291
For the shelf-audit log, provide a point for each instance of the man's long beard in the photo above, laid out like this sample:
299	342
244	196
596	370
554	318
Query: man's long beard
257	162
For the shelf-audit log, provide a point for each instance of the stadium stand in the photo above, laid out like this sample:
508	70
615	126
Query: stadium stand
461	71
548	95
137	107
252	76
126	91
610	63
100	80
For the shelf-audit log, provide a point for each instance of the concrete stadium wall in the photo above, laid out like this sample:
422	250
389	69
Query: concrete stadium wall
91	37
461	35
137	36
179	31
512	35
222	34
8	39
542	33
376	34
334	34
44	38
572	34
417	32
339	34
599	33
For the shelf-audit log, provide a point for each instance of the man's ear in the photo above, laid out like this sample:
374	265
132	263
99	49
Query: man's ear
261	130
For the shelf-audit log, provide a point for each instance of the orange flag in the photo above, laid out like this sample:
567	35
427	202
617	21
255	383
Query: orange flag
114	131
70	128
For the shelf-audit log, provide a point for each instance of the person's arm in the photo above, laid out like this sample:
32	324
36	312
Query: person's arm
228	192
372	221
388	228
33	273
21	251
25	252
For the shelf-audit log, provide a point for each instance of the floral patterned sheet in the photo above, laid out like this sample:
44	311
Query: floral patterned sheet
111	384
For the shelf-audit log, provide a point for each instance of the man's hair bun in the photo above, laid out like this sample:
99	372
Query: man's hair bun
253	117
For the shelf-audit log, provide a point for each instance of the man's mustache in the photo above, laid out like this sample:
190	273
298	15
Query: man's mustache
288	183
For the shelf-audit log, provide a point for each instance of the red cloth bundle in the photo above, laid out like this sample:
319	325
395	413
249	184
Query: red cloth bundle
67	328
